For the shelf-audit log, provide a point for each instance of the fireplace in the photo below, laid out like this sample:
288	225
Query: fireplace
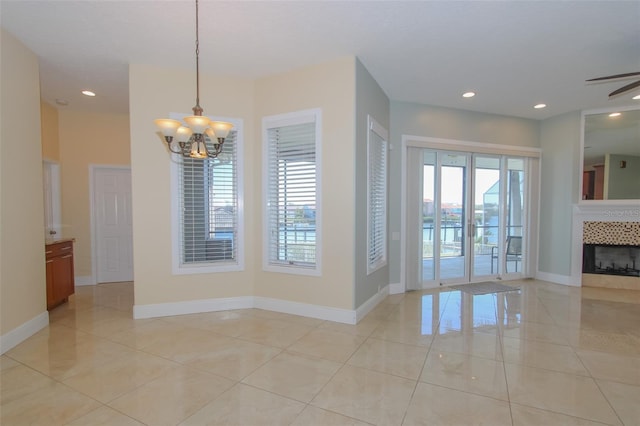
610	250
610	259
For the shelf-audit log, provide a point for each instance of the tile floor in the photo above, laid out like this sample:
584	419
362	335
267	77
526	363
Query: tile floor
544	355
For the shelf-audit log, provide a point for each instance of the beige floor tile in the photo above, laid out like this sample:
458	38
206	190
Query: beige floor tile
529	416
535	331
434	405
542	355
275	333
364	328
482	345
466	373
51	405
576	396
625	400
394	358
313	416
246	405
130	366
327	344
295	376
294	319
184	345
229	357
172	397
411	334
105	416
613	343
61	354
17	381
119	376
617	368
366	395
157	332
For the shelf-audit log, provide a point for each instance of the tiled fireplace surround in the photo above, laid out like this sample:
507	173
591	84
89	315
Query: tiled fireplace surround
604	224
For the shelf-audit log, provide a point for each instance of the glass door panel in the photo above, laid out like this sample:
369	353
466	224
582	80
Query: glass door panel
453	214
515	216
428	215
486	237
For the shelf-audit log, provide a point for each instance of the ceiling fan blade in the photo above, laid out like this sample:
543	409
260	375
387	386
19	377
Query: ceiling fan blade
611	77
625	88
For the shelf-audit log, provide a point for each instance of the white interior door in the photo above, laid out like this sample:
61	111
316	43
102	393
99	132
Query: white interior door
113	224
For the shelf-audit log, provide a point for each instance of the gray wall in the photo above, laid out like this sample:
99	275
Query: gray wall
560	143
429	121
370	100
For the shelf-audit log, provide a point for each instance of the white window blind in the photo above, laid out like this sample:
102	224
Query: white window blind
376	196
292	228
208	194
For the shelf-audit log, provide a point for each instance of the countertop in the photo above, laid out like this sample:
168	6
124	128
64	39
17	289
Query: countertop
49	241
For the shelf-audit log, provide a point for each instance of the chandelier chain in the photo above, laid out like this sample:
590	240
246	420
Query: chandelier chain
197	107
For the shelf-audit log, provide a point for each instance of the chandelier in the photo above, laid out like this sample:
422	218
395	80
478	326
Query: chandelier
191	140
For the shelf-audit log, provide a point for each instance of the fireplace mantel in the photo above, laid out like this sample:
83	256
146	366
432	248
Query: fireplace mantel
596	212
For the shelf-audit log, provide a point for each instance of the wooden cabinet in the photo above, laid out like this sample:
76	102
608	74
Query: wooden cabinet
60	275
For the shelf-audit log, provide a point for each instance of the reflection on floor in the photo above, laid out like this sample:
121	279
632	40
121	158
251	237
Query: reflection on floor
544	355
454	266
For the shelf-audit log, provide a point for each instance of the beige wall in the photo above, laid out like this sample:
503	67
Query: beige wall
22	263
156	93
49	132
330	87
86	139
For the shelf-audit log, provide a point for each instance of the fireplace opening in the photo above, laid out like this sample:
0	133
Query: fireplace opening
611	259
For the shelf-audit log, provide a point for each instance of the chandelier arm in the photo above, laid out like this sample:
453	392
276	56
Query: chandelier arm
169	141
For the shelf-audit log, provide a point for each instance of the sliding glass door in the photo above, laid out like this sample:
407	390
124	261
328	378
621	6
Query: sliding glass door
471	213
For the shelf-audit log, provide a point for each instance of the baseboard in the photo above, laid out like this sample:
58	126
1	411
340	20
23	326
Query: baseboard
556	278
373	301
212	305
84	280
191	307
328	313
396	288
23	332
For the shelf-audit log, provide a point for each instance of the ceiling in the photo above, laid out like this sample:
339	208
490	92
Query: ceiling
513	54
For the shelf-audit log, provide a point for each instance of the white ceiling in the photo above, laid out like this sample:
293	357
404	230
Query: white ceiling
514	54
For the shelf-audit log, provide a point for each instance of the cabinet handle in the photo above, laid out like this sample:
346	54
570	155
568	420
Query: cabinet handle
49	261
66	248
48	252
67	256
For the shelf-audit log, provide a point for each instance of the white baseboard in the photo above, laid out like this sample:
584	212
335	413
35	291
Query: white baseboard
557	278
396	288
345	316
191	307
373	301
23	332
84	280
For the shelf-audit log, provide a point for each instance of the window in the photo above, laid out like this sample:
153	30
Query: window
207	214
376	196
292	192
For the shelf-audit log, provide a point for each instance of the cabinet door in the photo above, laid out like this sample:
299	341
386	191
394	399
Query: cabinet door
63	277
51	300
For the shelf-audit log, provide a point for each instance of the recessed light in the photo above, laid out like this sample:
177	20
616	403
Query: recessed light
88	93
615	114
636	97
540	106
62	102
468	94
